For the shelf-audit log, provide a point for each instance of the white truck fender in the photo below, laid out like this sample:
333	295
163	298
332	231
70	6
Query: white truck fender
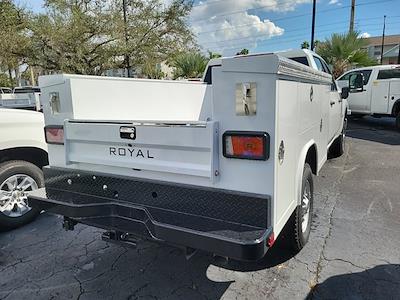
300	166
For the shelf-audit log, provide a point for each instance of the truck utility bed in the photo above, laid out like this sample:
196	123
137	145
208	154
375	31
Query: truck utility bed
198	165
225	223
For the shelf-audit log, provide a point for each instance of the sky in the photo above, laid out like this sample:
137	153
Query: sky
227	26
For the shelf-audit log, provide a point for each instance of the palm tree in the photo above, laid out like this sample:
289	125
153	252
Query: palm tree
243	52
305	45
189	65
343	51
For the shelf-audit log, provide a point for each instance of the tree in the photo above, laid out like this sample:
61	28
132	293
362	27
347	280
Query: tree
212	55
305	45
74	37
189	65
243	52
343	51
154	31
14	41
91	36
152	71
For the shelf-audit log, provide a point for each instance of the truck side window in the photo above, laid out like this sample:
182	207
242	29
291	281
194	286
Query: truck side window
302	59
346	76
320	66
389	74
366	73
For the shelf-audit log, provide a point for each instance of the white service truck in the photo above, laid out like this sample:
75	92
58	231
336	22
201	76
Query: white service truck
221	165
374	91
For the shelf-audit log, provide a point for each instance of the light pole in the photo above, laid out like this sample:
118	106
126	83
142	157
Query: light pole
383	38
313	25
353	8
127	58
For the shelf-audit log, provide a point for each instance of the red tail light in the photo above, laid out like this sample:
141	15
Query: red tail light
54	134
246	145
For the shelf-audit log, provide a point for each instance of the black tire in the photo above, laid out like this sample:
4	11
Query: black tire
338	147
297	237
8	169
398	121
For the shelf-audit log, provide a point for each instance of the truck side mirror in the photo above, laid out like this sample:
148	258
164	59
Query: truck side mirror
345	92
356	83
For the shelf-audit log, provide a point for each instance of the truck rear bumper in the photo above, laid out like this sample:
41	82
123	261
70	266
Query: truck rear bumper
234	225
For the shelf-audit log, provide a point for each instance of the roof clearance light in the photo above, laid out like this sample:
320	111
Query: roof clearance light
246	145
54	135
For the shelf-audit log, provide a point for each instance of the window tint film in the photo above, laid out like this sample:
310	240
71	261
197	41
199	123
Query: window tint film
319	64
366	73
303	60
389	74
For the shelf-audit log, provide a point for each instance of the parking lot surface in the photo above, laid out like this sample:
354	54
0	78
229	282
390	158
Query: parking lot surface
353	253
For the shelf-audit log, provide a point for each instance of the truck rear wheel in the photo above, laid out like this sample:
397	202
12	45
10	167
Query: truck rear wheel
17	178
339	145
300	222
398	121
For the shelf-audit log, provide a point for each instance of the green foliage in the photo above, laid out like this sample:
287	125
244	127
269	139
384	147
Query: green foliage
90	36
305	45
5	81
212	55
154	32
343	51
14	39
151	71
243	52
189	65
74	37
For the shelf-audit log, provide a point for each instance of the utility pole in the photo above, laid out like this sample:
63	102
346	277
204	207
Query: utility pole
353	8
383	38
313	25
127	58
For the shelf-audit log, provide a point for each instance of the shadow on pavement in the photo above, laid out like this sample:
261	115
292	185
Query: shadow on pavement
380	130
380	282
62	264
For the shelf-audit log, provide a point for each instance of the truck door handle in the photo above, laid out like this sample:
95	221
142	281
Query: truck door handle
333	103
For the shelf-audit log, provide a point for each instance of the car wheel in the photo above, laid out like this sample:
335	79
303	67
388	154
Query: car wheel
17	179
300	222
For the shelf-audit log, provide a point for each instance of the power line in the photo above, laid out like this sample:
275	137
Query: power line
298	38
272	6
242	10
298	30
290	17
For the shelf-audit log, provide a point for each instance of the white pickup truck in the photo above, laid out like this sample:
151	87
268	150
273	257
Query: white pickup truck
222	165
374	91
25	97
23	152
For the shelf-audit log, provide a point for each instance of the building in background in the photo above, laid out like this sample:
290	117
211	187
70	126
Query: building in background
390	48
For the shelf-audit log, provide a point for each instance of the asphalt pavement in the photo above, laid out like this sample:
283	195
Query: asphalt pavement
353	253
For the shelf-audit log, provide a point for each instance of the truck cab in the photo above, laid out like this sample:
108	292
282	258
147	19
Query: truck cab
377	94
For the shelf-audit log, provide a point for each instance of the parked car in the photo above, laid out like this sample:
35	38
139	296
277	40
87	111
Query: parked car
25	97
221	165
23	152
26	89
374	91
5	90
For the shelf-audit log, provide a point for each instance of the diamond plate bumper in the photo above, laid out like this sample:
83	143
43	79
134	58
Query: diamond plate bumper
230	224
